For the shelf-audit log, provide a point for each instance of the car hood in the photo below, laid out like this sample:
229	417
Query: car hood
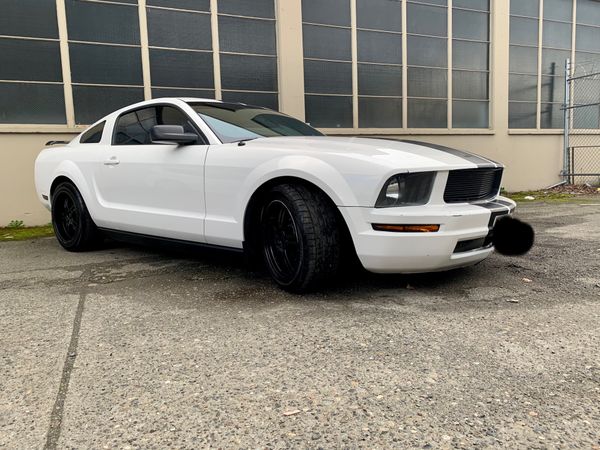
391	154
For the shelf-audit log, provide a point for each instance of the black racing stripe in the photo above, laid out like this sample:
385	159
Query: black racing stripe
478	160
497	210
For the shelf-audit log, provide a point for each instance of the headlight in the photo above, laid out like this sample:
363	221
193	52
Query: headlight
406	189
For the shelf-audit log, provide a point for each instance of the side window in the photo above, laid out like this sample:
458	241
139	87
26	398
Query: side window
93	135
168	115
134	128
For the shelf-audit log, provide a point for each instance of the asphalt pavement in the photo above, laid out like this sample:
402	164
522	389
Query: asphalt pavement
132	347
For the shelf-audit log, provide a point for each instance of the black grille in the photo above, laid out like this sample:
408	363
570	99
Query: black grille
470	185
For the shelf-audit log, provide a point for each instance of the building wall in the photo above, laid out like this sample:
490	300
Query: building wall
533	156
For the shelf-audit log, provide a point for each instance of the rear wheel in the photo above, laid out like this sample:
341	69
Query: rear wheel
73	226
300	237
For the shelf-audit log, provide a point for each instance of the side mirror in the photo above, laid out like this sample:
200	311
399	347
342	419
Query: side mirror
172	134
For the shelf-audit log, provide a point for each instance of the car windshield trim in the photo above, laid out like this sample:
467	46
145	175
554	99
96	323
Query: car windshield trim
236	122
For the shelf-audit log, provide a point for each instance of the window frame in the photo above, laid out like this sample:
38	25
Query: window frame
201	136
403	128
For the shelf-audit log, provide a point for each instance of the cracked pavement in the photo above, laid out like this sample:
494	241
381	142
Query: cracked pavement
131	347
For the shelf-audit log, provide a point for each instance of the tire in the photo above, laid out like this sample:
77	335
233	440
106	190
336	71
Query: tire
300	237
74	228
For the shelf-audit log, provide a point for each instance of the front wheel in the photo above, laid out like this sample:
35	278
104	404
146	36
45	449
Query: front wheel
300	237
73	226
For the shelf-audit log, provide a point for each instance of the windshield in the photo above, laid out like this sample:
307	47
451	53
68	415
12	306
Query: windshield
233	122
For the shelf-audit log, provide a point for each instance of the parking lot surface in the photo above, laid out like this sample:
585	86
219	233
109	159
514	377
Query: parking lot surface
131	347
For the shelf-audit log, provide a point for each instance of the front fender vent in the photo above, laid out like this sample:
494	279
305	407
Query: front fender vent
472	185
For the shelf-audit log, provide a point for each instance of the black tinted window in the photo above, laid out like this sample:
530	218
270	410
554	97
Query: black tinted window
134	128
93	135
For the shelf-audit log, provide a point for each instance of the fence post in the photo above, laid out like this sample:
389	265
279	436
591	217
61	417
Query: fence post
566	156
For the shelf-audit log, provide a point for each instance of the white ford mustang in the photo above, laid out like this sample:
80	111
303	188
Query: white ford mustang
249	178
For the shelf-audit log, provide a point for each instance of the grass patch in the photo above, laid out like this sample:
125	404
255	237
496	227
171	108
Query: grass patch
21	234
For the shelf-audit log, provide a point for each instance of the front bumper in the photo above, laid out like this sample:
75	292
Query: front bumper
463	238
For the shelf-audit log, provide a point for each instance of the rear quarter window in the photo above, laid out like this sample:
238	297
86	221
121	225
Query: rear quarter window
93	135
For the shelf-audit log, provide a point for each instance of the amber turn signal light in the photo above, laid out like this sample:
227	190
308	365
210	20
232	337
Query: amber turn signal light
406	228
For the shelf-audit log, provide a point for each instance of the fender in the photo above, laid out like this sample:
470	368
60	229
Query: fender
71	171
224	224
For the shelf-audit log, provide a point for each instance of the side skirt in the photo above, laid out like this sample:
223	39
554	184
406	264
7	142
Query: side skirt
144	239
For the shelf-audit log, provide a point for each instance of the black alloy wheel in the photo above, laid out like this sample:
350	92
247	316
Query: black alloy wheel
300	237
282	242
73	226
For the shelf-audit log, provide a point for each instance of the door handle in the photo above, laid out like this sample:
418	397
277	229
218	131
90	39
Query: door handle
113	161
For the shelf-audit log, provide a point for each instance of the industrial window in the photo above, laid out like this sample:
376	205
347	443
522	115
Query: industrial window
537	59
31	86
105	57
357	75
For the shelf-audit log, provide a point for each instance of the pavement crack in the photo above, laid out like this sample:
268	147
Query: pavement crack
56	417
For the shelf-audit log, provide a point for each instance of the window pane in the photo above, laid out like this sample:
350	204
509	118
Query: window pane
588	12
558	10
553	89
379	47
247	35
329	111
103	22
524	31
523	87
552	116
522	115
588	38
93	102
482	5
470	25
586	118
134	128
470	55
252	73
192	30
105	64
194	5
324	77
29	60
193	93
424	113
31	18
470	114
379	112
93	135
173	68
253	98
427	51
375	79
470	85
557	34
427	82
32	103
523	59
326	42
431	2
253	8
553	61
425	19
379	14
529	8
581	57
331	12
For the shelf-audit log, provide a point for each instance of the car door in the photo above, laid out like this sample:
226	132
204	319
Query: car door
148	188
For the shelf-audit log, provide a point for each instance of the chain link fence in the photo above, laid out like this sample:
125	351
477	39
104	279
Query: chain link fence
581	163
